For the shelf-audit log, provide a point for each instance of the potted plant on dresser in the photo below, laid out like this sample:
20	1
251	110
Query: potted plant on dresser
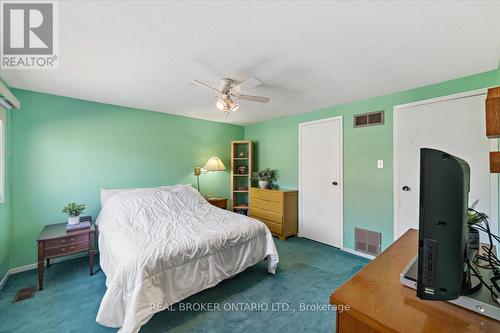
74	210
264	177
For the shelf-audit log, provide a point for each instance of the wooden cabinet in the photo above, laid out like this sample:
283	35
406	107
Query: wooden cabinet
493	124
493	113
218	202
495	162
277	209
378	302
55	241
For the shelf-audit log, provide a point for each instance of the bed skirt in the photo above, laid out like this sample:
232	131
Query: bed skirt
129	310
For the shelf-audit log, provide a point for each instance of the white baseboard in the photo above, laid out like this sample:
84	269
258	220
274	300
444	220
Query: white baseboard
35	265
357	253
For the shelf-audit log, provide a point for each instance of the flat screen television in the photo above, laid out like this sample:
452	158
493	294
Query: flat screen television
443	226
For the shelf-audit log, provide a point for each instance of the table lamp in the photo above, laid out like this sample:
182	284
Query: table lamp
213	164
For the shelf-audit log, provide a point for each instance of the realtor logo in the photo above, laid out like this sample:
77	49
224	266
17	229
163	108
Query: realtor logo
29	35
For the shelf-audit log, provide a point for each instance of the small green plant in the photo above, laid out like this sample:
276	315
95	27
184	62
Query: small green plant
74	209
266	175
475	217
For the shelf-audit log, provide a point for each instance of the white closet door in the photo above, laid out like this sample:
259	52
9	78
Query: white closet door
456	126
320	177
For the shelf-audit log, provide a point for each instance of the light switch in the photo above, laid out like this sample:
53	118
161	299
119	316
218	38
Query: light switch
380	164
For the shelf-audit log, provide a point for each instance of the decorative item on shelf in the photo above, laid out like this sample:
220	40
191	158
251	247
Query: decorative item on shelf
241	169
264	177
242	211
213	164
73	210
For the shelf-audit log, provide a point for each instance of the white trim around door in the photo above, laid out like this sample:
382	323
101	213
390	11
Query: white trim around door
493	147
341	181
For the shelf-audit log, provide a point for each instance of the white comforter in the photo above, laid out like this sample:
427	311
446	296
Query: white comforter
160	246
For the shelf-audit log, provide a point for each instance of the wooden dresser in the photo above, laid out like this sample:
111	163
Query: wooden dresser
380	303
276	208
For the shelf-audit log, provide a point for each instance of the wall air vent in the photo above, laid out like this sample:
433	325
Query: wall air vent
368	119
366	241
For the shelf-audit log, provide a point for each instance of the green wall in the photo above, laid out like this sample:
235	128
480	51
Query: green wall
368	191
5	217
66	149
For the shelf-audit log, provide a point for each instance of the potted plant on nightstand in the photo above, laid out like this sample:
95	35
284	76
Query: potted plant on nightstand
74	210
264	177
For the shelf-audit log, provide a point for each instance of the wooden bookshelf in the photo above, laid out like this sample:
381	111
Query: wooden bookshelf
241	155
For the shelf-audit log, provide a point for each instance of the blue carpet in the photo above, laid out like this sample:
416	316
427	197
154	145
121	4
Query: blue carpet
307	274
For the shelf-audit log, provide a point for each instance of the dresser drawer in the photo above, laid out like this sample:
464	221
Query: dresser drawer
66	249
266	215
275	207
70	240
268	195
275	228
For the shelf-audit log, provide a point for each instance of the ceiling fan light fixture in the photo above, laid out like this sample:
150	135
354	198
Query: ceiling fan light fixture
220	105
235	107
230	88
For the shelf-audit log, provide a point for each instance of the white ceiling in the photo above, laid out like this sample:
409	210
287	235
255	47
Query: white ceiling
308	54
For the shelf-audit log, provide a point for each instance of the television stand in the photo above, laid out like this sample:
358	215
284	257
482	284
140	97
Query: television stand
479	301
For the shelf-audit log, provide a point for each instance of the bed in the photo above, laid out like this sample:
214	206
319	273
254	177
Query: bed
158	246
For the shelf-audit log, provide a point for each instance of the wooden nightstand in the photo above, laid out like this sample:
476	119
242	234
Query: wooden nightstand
54	241
218	202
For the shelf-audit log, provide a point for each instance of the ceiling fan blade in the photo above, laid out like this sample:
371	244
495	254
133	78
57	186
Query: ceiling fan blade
207	86
259	99
249	83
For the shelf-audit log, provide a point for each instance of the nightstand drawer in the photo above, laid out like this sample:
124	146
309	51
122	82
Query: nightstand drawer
66	249
66	241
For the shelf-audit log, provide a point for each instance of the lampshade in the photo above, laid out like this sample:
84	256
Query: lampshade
214	164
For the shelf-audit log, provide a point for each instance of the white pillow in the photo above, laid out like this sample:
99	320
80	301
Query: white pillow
189	195
107	193
175	187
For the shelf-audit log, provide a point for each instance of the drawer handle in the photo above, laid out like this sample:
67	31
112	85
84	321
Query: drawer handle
62	241
63	249
71	239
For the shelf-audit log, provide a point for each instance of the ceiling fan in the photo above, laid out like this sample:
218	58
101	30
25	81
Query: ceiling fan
231	89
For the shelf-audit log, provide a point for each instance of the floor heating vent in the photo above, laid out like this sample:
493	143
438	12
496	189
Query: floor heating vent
23	294
366	241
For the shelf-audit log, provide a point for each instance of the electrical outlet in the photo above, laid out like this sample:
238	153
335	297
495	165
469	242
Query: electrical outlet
380	164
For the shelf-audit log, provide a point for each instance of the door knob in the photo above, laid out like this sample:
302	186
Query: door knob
405	188
335	183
